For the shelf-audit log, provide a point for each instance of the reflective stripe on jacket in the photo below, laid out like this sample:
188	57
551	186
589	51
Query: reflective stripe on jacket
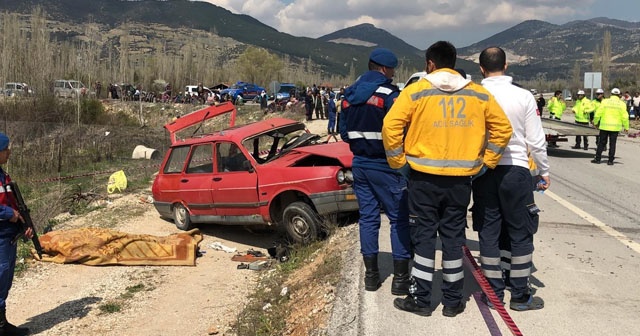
612	115
450	130
363	109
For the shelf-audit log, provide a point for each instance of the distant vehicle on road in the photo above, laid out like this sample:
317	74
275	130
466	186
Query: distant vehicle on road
69	88
246	91
192	90
566	93
285	91
414	78
12	89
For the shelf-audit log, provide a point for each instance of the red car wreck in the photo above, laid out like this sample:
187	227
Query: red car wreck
270	172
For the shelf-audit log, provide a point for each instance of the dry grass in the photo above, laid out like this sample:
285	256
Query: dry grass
297	296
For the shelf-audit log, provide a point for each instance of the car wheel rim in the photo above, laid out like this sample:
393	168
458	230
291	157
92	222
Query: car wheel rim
181	214
299	226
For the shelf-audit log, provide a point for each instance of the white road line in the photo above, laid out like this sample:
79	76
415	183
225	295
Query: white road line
604	227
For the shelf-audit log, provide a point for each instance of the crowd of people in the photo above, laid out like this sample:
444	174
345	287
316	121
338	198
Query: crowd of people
421	154
609	115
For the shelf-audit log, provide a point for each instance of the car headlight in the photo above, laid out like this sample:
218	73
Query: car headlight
348	176
340	176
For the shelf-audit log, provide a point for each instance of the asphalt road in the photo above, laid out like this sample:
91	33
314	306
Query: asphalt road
586	262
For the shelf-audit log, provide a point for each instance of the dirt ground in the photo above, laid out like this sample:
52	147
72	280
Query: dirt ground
53	299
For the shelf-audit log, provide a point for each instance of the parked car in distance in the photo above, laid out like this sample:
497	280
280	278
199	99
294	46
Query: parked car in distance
246	91
12	89
192	90
270	172
68	88
566	93
414	78
284	92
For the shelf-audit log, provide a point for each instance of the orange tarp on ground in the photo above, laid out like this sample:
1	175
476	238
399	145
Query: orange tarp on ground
98	247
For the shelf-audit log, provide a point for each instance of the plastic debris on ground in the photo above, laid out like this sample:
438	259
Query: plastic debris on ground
220	247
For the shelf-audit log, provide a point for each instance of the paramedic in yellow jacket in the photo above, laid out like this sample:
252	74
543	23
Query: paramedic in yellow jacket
582	110
556	106
455	129
611	118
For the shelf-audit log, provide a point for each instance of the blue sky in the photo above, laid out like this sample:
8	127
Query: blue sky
422	22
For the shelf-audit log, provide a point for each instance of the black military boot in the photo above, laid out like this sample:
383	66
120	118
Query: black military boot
8	329
371	273
401	278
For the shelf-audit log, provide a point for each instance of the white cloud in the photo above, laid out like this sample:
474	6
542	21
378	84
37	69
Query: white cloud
416	21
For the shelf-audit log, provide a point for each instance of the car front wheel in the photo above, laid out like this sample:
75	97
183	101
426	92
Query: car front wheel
181	217
301	222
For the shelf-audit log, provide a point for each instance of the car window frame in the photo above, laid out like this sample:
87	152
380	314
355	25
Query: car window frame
176	151
200	169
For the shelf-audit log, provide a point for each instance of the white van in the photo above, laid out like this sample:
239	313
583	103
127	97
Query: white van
63	88
17	89
192	90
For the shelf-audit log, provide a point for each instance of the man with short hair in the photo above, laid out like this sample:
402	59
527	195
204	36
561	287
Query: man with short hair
441	130
556	105
611	117
582	109
376	185
503	197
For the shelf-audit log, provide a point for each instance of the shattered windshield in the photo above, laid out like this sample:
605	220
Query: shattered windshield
266	146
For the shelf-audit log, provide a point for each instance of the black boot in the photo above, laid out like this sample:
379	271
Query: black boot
8	329
401	279
371	274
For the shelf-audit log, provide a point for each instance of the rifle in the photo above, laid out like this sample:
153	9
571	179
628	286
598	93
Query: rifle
24	212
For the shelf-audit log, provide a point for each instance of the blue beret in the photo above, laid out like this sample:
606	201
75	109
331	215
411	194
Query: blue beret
384	57
4	141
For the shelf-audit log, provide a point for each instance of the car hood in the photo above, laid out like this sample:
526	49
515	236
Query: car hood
338	150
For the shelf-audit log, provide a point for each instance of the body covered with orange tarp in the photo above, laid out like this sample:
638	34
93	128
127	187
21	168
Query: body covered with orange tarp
100	247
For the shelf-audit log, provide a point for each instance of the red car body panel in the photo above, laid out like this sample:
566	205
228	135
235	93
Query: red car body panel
258	194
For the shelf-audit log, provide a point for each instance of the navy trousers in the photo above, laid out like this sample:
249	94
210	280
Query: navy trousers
612	137
8	252
506	218
438	206
375	189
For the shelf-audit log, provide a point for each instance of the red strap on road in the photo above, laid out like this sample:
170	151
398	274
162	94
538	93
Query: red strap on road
488	291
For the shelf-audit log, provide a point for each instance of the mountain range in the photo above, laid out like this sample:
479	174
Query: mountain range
535	48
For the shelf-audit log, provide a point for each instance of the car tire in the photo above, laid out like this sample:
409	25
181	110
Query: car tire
181	217
301	222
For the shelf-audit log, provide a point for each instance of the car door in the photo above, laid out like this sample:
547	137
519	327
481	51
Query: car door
252	91
234	187
196	180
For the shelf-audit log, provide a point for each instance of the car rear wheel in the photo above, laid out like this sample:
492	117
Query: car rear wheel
181	217
301	222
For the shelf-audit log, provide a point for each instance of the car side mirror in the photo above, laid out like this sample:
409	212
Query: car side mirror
246	165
